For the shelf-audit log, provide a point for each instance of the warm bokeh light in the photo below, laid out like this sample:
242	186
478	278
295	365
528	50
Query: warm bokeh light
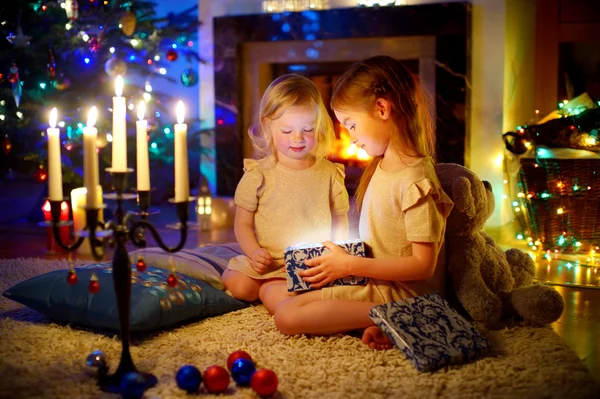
344	149
180	112
119	86
92	117
53	117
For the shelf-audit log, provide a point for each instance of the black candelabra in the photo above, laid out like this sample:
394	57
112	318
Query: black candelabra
115	233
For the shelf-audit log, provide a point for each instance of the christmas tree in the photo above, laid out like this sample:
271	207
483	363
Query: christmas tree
67	54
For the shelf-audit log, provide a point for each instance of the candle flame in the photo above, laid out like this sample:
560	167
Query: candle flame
92	117
180	110
141	110
53	117
119	86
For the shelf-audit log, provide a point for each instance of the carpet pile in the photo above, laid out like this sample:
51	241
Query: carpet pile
39	358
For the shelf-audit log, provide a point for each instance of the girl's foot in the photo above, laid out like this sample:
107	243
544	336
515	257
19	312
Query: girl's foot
376	339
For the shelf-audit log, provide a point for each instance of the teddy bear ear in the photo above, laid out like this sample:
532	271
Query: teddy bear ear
463	196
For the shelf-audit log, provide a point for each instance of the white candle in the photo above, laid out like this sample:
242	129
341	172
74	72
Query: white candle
54	163
142	165
182	181
119	133
90	159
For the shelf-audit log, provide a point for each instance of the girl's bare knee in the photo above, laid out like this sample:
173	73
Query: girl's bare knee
241	286
286	323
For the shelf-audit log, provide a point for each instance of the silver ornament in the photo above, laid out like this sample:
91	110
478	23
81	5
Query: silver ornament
115	66
97	360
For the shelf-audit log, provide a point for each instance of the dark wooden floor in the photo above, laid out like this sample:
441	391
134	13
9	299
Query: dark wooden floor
579	285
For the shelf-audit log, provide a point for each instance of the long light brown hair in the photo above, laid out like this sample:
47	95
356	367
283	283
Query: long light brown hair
283	93
383	77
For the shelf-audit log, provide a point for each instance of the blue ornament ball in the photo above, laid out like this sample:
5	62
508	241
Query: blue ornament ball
189	378
242	370
189	77
133	385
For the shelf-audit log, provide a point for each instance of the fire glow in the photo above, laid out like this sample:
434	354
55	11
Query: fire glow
344	150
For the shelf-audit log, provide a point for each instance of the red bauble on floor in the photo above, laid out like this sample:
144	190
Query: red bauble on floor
264	382
237	355
216	379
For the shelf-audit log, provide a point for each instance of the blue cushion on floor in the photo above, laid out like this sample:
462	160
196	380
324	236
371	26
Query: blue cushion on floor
204	263
154	305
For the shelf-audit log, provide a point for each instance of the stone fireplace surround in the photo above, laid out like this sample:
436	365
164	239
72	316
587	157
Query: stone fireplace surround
247	48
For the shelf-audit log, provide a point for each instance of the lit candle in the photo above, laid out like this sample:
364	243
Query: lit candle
90	160
142	165
54	164
119	133
182	183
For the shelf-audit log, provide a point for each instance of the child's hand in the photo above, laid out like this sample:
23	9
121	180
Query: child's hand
327	268
261	259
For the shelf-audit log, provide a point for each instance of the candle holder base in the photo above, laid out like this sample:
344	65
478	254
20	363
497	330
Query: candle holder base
112	383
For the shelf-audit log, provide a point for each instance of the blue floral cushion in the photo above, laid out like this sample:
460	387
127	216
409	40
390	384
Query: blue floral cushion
154	305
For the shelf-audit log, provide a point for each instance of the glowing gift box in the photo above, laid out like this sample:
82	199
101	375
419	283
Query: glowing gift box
295	256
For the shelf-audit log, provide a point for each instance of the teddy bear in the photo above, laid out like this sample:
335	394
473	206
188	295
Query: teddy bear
488	283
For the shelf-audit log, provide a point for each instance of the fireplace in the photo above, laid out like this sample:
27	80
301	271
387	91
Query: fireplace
251	51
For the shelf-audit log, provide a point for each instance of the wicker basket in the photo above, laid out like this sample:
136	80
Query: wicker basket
562	199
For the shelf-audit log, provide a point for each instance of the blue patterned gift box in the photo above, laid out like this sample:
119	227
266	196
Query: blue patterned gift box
296	255
429	332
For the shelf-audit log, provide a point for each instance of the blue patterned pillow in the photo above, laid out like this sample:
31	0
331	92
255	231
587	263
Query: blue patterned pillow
204	263
154	305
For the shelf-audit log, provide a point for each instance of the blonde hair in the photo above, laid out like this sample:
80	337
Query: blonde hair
384	77
283	93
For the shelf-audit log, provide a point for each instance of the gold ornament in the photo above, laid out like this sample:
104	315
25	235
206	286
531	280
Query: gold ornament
101	140
128	21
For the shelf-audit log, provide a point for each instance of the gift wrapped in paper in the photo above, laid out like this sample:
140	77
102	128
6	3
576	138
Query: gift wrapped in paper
429	332
295	256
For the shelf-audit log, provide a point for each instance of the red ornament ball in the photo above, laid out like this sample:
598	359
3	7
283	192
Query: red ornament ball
12	77
237	355
94	286
72	277
264	382
171	55
6	145
1	77
216	379
40	175
94	45
141	266
172	280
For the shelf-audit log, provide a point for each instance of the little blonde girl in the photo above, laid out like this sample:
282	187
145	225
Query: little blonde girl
291	195
403	208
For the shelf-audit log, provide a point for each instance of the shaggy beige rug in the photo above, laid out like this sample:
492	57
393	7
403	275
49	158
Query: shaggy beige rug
41	359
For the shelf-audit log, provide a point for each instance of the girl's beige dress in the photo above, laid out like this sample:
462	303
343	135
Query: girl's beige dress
399	208
290	207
